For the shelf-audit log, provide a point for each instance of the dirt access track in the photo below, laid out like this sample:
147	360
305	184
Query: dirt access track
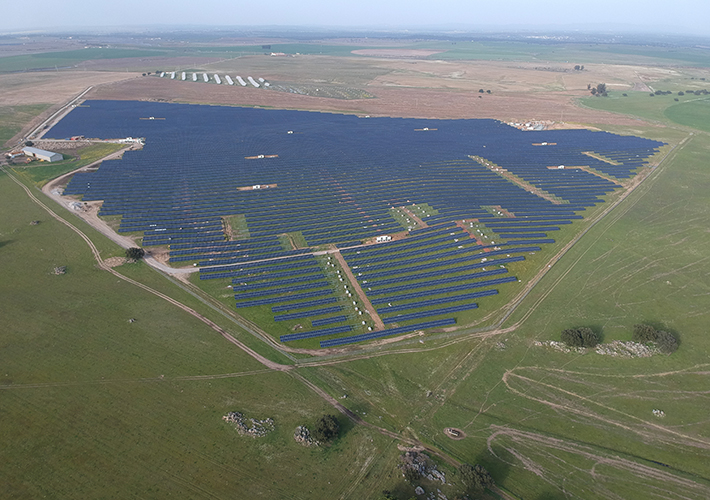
389	101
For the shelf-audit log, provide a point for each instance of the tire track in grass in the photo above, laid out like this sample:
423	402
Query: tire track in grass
261	359
272	366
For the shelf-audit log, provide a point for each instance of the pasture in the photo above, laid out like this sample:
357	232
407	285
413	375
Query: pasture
13	118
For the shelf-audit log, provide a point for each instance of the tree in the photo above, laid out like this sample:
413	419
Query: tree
589	337
475	477
681	93
488	92
601	89
666	341
326	428
580	337
577	67
481	91
135	253
29	143
643	333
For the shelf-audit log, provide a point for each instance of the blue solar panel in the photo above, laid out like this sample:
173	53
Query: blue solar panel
387	333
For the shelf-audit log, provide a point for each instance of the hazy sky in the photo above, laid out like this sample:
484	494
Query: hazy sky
679	16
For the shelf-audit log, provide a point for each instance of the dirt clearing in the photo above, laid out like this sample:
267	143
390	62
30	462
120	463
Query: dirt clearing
396	102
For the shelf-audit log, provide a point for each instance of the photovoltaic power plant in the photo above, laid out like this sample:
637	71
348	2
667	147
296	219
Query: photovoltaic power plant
335	180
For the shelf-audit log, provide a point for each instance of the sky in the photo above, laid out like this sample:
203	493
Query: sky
676	16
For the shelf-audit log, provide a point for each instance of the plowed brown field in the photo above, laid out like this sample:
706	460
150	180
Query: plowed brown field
397	102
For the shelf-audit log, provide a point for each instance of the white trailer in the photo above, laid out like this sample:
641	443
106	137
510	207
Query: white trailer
194	77
253	82
172	75
261	80
229	79
162	74
241	81
183	76
205	77
217	79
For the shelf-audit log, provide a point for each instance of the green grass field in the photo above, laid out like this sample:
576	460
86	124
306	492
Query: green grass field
689	110
694	114
13	118
70	58
41	172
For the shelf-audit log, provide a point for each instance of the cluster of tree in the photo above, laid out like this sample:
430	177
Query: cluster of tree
326	429
666	341
668	92
579	68
475	478
481	91
580	337
599	90
135	253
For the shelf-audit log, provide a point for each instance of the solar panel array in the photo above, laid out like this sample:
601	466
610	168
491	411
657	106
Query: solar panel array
334	179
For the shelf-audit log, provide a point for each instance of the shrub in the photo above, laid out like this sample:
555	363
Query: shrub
411	475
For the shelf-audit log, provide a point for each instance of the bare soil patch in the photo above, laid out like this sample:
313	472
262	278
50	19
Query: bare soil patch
115	261
396	102
397	52
455	434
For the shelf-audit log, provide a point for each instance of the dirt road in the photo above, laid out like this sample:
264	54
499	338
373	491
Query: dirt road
379	324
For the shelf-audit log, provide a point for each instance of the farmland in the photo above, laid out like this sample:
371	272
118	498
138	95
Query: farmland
118	381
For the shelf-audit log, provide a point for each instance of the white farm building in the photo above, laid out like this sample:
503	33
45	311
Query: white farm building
41	154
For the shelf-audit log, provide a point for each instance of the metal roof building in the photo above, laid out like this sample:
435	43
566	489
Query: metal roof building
41	154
